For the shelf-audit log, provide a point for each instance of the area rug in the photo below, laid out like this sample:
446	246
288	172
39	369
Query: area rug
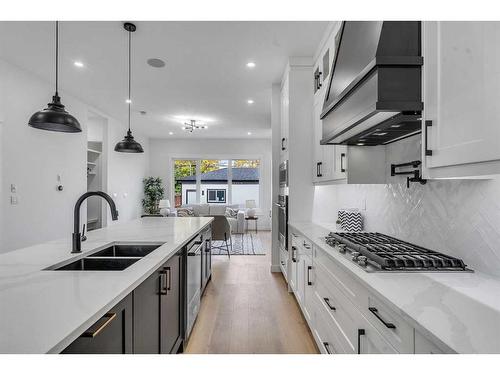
243	244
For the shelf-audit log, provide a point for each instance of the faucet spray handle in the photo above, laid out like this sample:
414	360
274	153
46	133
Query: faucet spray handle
84	237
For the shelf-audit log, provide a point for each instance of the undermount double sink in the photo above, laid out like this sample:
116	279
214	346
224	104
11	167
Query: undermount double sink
116	257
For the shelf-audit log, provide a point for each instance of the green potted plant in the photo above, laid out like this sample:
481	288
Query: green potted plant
153	192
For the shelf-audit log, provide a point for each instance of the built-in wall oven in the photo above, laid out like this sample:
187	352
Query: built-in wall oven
283	220
282	204
193	292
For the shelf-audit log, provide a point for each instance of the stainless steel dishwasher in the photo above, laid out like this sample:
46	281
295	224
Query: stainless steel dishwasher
193	295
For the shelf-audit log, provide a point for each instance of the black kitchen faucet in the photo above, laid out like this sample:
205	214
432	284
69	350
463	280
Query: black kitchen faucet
77	236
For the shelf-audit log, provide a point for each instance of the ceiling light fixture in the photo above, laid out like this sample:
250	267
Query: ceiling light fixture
55	117
192	126
170	133
128	101
249	133
250	64
128	144
78	64
250	101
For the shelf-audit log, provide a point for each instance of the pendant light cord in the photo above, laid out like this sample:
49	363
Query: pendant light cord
57	55
129	77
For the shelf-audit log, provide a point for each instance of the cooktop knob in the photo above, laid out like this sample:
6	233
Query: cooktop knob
342	247
355	255
362	260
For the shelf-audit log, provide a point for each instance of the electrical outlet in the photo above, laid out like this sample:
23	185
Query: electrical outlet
363	204
13	199
13	188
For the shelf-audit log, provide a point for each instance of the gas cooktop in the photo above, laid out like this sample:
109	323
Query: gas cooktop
379	252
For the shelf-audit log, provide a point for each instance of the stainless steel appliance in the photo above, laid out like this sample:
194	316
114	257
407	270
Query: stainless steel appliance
379	252
374	95
206	258
193	274
284	175
283	220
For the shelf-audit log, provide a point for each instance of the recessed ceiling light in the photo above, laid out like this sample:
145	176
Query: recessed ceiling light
249	133
128	101
380	134
250	64
78	64
156	63
170	133
250	101
396	126
360	144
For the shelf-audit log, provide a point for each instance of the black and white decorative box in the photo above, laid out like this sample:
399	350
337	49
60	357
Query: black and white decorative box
350	220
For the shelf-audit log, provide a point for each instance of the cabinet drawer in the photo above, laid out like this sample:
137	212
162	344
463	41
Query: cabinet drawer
342	280
326	332
397	331
358	334
424	346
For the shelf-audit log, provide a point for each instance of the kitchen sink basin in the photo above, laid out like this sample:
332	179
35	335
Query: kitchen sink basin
126	250
99	264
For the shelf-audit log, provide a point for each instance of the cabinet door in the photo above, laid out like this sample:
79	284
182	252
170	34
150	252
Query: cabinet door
170	305
112	334
147	316
308	288
461	90
284	120
208	258
339	162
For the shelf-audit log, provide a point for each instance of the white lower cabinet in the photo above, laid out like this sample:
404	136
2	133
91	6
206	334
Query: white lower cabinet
343	315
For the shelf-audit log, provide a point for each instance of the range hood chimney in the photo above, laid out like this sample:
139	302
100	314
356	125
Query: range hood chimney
374	96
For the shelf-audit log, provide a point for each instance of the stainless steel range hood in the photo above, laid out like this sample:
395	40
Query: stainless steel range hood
374	95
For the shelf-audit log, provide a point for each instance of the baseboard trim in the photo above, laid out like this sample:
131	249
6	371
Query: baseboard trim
275	268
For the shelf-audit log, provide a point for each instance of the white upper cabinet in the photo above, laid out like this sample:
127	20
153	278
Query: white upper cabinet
285	118
461	86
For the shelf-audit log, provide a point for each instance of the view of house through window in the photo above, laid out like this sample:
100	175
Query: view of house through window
230	182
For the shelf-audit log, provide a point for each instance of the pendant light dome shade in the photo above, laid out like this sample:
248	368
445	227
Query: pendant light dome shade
128	144
55	117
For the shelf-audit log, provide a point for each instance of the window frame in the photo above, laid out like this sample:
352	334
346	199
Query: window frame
216	190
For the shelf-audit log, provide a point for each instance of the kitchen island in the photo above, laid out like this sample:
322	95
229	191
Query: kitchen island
43	311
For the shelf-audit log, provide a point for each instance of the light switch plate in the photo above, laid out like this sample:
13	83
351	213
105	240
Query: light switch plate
13	188
13	199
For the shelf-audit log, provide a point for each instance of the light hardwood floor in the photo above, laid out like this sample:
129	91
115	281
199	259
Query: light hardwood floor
247	309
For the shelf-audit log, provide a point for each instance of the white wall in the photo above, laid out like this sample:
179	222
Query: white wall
457	217
162	151
33	158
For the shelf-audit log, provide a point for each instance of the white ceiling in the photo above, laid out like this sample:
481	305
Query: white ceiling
205	76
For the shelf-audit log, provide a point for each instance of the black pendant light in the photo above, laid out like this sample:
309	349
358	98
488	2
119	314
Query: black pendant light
128	144
55	118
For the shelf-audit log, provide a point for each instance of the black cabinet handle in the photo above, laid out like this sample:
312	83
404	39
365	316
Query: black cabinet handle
320	165
374	311
342	158
91	332
428	124
319	80
293	254
361	332
327	301
327	347
309	282
283	148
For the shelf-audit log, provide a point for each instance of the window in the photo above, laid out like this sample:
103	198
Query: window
216	195
216	181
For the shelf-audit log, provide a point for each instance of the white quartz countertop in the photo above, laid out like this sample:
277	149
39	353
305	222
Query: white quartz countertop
43	311
458	309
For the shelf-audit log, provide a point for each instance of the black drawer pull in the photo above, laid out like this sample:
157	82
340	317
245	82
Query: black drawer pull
327	301
428	124
309	282
327	347
361	332
374	311
294	249
342	167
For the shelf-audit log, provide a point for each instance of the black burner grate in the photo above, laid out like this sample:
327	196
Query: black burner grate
390	253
